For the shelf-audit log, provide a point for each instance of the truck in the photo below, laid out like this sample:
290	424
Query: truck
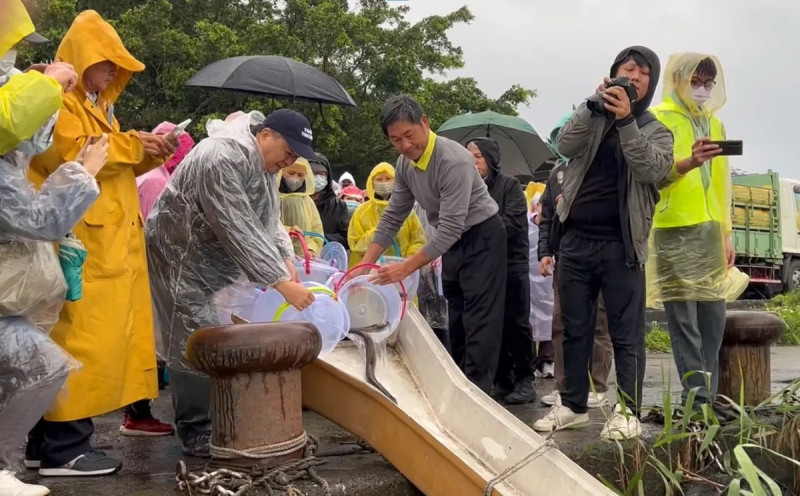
766	231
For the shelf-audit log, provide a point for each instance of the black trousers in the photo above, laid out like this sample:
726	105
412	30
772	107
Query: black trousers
139	410
62	442
474	280
517	349
191	400
585	268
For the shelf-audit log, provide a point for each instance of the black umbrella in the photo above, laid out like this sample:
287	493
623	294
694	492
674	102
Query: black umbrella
275	76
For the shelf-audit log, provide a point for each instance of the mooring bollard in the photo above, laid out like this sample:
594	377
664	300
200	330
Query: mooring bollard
256	401
744	357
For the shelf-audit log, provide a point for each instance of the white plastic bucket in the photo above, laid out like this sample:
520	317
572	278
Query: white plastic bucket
411	283
326	313
369	304
316	271
334	254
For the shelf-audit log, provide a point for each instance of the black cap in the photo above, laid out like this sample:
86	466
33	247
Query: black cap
36	38
295	129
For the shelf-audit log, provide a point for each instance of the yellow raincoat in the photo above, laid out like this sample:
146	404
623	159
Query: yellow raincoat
410	238
26	100
531	189
110	330
298	209
692	219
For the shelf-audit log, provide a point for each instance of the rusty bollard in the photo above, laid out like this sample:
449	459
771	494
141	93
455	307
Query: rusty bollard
256	401
744	356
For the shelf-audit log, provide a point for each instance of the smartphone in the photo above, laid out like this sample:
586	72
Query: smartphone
729	147
180	128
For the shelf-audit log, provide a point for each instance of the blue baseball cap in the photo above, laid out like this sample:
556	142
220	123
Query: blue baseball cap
295	129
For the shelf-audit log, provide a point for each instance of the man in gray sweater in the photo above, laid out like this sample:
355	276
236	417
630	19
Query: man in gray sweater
469	235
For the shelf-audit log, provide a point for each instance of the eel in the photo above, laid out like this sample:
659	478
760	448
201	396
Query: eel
365	333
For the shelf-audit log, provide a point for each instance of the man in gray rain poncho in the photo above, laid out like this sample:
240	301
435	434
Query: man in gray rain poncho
218	221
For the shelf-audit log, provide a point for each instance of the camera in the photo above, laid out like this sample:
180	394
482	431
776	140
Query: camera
596	101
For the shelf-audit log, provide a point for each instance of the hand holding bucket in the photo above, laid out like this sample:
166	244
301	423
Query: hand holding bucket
360	268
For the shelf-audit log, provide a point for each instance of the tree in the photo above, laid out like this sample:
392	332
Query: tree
371	49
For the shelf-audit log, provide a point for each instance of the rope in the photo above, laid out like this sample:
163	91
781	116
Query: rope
261	452
278	480
505	474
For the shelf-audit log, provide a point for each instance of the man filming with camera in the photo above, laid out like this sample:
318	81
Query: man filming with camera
618	153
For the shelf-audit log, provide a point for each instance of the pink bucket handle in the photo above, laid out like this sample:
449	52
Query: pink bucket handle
304	246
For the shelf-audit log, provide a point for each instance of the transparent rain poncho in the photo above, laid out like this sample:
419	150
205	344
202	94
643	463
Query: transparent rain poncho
32	286
542	296
214	235
298	208
687	244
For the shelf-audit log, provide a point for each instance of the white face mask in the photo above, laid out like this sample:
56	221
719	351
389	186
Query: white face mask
293	183
384	189
7	62
320	183
701	95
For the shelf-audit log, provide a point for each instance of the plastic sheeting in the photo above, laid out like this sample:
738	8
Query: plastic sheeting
28	358
298	208
432	303
541	289
31	281
214	235
32	285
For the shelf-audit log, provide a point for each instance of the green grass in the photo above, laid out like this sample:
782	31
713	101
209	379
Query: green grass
788	307
657	340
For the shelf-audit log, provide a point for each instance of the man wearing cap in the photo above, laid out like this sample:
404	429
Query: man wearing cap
216	222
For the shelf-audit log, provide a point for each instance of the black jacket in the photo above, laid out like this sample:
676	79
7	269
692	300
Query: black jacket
507	193
549	225
332	210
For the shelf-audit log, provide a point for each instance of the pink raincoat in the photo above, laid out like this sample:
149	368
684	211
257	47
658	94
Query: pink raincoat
152	184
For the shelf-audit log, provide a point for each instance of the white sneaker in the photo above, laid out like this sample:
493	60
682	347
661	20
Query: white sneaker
548	371
550	399
597	400
11	486
560	417
623	424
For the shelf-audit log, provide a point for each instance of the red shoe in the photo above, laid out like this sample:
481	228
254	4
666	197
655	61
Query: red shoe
150	427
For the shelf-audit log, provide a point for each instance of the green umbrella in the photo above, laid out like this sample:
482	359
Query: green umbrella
522	151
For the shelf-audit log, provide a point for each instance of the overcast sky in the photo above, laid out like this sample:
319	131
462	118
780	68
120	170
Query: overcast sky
563	48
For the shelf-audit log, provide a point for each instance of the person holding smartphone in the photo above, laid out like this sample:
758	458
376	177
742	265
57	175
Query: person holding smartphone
692	222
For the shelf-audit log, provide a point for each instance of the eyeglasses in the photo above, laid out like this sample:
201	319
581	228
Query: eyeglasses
709	85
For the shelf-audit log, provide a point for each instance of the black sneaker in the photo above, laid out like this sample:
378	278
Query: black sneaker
197	445
33	456
500	391
523	393
88	464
